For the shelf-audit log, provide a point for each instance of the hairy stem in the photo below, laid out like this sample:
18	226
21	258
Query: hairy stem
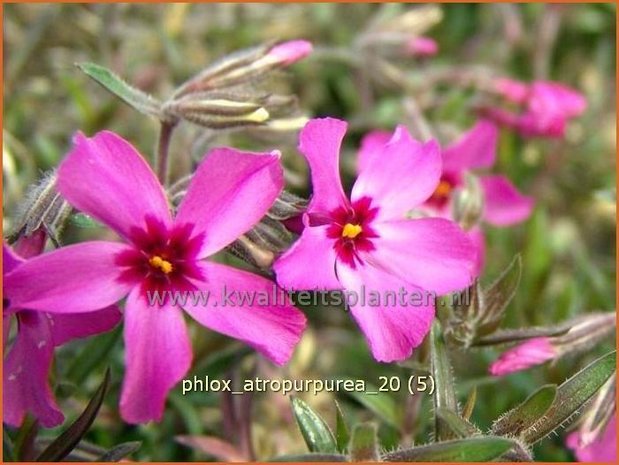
163	147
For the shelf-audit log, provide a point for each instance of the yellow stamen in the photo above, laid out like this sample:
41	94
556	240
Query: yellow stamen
443	189
158	262
351	230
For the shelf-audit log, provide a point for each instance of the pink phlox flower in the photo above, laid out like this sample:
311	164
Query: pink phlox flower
365	243
105	177
28	358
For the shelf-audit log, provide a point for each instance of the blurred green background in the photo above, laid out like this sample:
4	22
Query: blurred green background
568	245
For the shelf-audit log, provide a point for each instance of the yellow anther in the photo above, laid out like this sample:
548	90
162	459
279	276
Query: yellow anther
158	262
443	189
351	230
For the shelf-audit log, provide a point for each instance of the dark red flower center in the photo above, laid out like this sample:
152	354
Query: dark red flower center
351	227
162	258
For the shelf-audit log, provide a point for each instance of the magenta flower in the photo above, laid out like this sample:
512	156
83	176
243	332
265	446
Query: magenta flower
475	149
547	107
367	243
421	47
603	449
528	354
28	361
106	177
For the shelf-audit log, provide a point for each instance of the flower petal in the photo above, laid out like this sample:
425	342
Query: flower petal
250	308
73	279
10	260
395	327
157	356
104	176
402	176
371	144
432	253
504	205
479	241
25	374
320	142
312	251
229	193
525	355
476	148
67	327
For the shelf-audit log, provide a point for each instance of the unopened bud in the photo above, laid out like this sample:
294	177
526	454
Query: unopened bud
468	205
290	52
44	208
421	47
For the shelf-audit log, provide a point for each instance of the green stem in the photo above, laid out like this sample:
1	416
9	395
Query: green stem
163	146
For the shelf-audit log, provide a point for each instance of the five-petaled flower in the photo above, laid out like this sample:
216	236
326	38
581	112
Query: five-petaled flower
547	106
106	177
28	360
367	242
476	149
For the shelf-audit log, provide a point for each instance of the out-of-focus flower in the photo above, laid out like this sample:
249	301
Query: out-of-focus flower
366	244
107	178
501	203
528	354
28	360
421	47
603	449
546	107
290	52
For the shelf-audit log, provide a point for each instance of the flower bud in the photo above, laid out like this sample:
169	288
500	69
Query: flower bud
530	353
290	52
421	47
468	205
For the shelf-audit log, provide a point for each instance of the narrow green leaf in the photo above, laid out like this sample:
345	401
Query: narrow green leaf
444	393
314	429
81	220
469	406
516	335
498	296
342	435
378	402
119	452
364	444
524	415
8	451
457	426
135	98
92	355
480	449
310	458
571	395
64	444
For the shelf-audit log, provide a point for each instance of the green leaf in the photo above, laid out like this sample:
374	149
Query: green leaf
379	402
92	354
571	395
480	449
64	444
310	458
456	425
467	410
523	416
444	394
135	98
364	444
499	295
314	429
8	451
81	220
119	452
342	435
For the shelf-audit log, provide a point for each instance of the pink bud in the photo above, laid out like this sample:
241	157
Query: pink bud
530	353
291	51
422	46
549	97
515	91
